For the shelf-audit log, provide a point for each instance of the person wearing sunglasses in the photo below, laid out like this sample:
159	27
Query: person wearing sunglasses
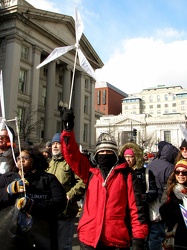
44	200
182	151
170	210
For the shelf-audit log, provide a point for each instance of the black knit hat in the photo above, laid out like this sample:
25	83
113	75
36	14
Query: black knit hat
183	144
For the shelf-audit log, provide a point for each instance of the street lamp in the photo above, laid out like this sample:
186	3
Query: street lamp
61	107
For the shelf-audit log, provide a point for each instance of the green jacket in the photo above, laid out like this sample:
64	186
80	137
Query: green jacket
72	184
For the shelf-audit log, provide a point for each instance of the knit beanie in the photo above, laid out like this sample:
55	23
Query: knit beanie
181	163
106	142
183	144
56	138
129	151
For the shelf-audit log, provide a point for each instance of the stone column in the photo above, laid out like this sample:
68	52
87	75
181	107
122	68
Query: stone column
67	84
11	75
35	88
51	103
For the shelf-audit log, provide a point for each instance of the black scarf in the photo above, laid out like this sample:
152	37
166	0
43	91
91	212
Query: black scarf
106	162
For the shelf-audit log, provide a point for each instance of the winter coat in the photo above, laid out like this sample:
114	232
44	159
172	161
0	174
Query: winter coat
171	214
163	166
49	199
73	185
139	169
112	207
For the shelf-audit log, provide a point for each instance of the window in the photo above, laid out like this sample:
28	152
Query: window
158	98
24	52
167	136
86	84
151	98
43	96
182	102
174	105
104	97
158	112
86	104
183	108
61	79
85	133
45	71
166	105
166	97
133	106
98	97
158	106
22	81
151	106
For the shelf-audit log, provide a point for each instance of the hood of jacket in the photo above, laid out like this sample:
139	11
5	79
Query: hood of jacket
137	151
169	153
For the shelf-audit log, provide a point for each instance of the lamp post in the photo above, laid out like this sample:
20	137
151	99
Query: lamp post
61	107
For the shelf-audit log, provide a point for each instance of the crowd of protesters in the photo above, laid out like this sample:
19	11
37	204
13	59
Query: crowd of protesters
40	190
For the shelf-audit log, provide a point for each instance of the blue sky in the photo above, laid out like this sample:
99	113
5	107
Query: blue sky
143	43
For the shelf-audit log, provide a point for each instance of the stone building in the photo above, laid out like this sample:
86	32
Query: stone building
27	37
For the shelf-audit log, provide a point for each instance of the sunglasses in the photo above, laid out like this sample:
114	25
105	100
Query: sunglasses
178	172
184	148
26	158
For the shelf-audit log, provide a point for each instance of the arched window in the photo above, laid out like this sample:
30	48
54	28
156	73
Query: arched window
158	98
151	98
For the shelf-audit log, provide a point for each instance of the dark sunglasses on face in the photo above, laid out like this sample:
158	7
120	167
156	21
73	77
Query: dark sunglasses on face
183	148
178	172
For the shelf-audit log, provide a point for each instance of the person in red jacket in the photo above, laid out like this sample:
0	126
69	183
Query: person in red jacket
112	216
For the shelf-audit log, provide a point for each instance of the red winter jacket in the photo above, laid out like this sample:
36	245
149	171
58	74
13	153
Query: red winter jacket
111	212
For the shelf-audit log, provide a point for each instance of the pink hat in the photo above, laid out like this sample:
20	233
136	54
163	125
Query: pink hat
129	151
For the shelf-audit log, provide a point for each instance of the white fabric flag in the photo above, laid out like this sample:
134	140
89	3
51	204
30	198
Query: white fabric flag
79	27
85	64
55	54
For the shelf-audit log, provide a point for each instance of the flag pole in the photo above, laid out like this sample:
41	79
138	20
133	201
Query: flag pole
72	82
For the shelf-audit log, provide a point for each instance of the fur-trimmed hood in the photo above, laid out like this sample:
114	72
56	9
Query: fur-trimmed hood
137	151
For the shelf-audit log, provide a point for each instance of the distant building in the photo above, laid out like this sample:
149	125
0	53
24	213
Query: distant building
108	99
157	101
157	113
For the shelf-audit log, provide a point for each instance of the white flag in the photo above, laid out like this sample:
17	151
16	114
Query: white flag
57	52
85	64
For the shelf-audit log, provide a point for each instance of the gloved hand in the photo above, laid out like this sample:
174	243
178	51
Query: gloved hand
68	119
138	244
16	186
25	204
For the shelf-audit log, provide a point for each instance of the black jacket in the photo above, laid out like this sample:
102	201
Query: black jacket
163	166
171	214
49	199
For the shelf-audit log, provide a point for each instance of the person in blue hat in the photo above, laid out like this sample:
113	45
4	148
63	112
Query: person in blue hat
75	189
